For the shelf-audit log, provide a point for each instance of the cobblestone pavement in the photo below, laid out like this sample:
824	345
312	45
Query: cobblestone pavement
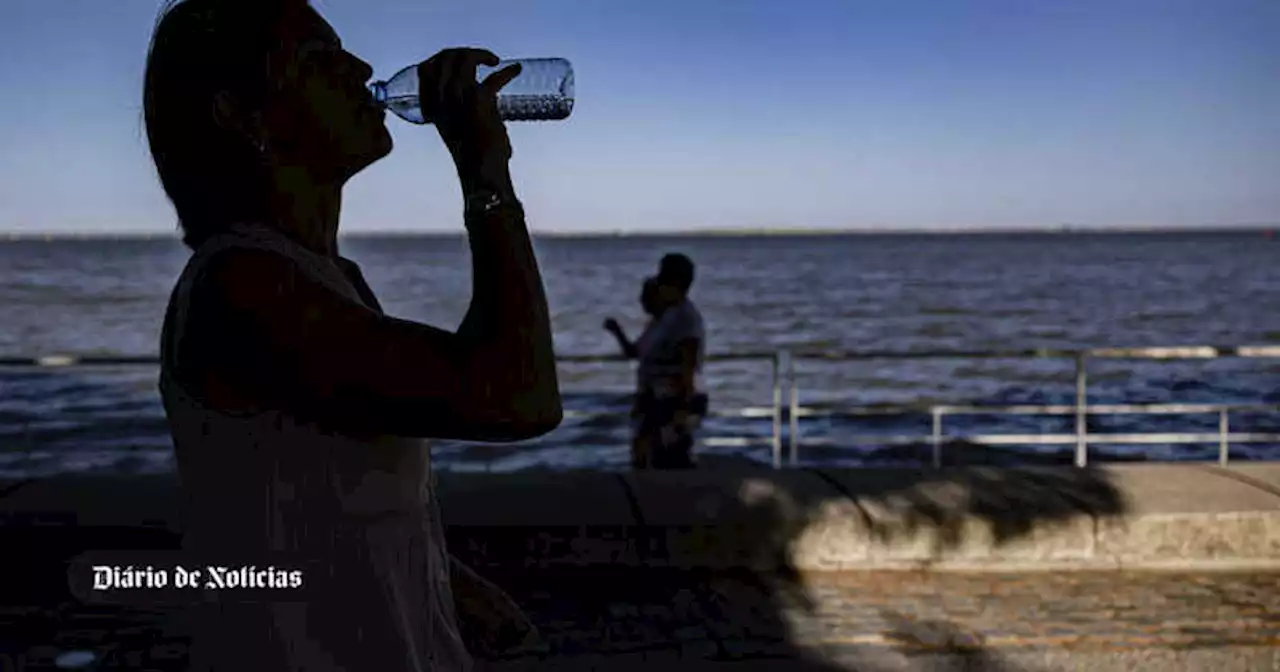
851	617
1124	610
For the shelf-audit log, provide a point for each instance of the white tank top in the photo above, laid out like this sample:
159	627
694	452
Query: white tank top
267	482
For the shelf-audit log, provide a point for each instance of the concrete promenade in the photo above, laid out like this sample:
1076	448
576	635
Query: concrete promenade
1126	516
1171	566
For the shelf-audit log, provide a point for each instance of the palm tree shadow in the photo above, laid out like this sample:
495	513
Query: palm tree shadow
727	586
939	645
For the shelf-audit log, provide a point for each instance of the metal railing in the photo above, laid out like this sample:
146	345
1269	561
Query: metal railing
1081	409
785	385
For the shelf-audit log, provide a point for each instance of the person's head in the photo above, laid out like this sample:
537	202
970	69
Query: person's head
241	96
675	275
650	297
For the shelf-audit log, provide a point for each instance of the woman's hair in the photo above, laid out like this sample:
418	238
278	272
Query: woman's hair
649	296
213	175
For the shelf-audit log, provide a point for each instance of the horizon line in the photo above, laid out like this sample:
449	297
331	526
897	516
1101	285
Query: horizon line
1062	229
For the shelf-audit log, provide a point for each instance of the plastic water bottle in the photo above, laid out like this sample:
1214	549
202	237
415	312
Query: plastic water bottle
543	91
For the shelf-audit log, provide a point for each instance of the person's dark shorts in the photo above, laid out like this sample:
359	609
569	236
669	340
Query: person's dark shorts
671	449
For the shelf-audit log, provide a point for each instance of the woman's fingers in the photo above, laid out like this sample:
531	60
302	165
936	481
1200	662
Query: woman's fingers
449	77
462	71
495	81
465	113
479	56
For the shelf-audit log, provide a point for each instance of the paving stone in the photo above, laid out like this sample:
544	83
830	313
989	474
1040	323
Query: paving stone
719	617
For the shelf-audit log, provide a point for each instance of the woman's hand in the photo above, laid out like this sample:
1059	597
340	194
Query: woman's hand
611	325
466	115
492	624
495	627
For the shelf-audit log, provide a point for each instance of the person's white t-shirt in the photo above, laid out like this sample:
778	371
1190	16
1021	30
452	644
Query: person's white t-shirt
660	354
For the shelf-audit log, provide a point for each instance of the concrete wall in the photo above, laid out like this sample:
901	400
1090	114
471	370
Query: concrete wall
1137	516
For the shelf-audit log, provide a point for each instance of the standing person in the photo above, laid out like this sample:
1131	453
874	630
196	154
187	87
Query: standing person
651	303
296	406
672	361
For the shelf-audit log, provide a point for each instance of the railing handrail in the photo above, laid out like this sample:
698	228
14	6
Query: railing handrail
1081	408
1158	352
864	410
143	360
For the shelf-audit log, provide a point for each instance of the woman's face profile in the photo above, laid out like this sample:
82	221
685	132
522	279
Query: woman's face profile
649	299
321	115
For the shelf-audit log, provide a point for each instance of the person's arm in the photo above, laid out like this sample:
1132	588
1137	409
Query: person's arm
508	321
684	379
628	348
305	349
689	349
686	329
285	342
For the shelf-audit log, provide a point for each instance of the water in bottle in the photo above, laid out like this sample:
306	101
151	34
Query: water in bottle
543	91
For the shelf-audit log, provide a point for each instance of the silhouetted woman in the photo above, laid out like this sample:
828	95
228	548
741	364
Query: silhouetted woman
296	406
651	303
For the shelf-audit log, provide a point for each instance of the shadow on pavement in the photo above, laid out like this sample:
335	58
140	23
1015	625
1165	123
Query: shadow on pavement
655	612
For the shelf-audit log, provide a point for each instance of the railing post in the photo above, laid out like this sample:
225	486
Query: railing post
1082	413
795	408
777	410
936	437
1224	443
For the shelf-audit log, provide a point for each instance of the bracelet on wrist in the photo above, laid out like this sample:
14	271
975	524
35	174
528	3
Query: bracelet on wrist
482	203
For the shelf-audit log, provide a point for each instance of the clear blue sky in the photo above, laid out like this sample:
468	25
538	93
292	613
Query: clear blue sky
733	113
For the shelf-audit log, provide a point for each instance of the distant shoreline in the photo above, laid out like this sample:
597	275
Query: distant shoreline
1258	229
